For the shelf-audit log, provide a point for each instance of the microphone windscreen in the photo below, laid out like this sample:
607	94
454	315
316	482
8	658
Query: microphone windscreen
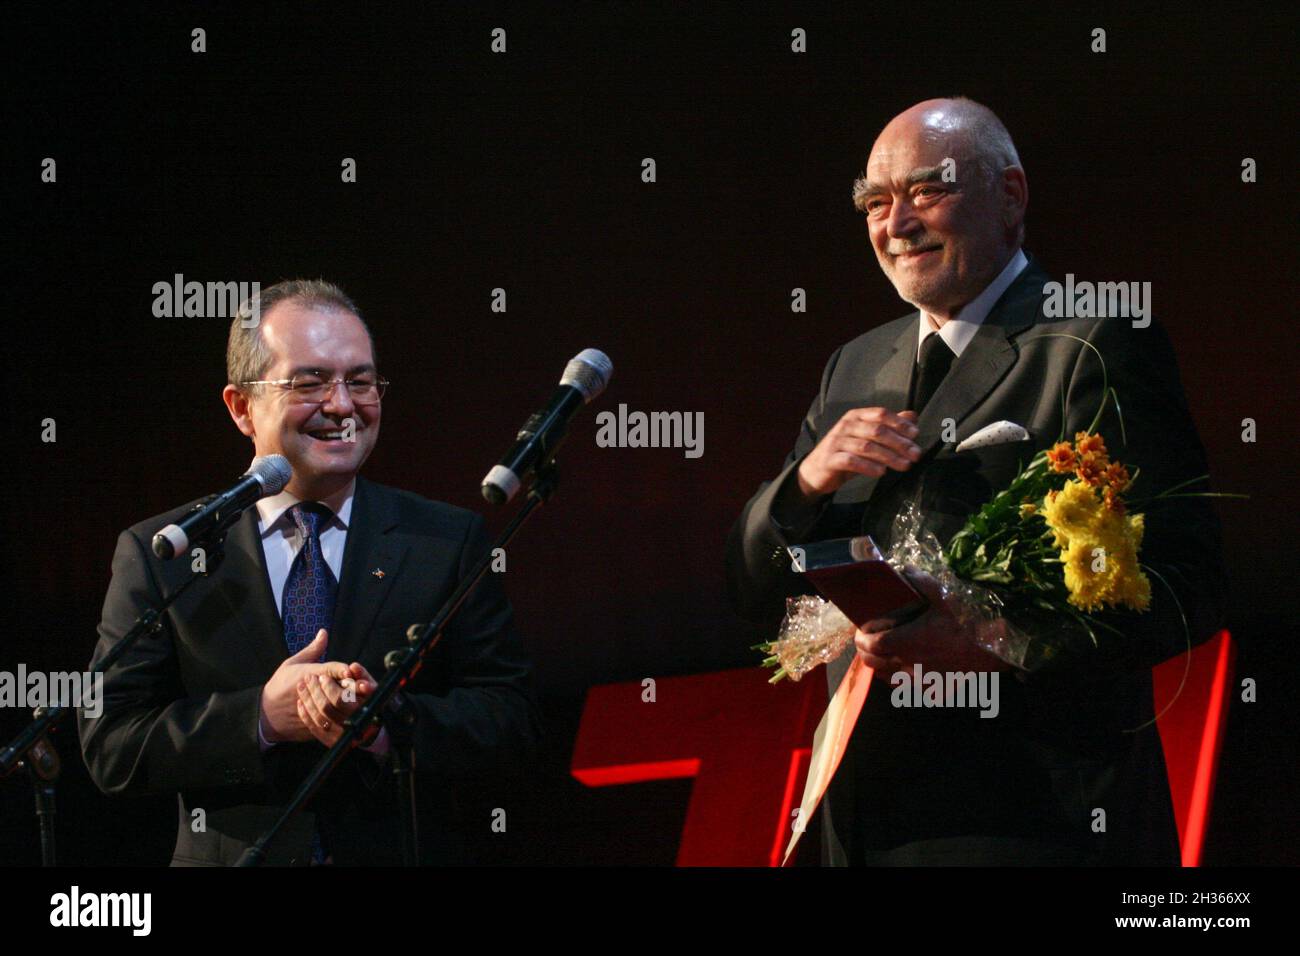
272	473
589	372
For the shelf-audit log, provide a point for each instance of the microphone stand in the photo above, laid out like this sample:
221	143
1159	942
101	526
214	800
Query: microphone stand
399	716
42	757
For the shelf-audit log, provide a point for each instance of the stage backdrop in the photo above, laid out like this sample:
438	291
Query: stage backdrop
522	171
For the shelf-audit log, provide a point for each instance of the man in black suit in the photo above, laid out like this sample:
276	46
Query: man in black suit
1059	776
256	668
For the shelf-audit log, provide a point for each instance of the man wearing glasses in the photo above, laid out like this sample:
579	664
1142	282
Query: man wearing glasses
256	669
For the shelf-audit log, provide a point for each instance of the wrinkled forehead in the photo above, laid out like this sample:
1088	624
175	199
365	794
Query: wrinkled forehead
905	149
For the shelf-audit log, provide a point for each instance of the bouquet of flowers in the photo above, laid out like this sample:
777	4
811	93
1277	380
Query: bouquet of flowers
1055	548
1059	544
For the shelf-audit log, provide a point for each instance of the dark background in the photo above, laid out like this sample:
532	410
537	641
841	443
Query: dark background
523	171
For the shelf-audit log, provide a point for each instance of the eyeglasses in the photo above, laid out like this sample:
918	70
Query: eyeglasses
315	389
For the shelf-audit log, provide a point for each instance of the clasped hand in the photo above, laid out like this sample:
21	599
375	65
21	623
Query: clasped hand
307	698
937	639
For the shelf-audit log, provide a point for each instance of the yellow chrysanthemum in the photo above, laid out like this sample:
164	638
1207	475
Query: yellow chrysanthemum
1085	585
1128	586
1100	556
1137	526
1073	510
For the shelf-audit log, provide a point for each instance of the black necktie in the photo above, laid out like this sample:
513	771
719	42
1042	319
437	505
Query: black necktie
936	358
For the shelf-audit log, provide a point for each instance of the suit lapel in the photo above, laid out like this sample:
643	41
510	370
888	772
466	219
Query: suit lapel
370	547
982	364
245	582
246	587
888	388
894	380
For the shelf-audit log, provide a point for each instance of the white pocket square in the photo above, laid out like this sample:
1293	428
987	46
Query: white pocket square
999	433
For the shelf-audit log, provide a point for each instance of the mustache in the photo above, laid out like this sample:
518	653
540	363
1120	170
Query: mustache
915	245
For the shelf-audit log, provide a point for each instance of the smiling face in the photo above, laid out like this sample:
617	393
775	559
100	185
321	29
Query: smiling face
939	242
304	339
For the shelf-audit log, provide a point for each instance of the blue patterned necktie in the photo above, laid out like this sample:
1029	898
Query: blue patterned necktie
309	595
311	588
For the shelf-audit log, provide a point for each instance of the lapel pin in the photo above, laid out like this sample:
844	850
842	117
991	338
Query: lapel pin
379	573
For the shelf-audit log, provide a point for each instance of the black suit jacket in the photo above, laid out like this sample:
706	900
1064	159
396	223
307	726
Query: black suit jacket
181	709
944	785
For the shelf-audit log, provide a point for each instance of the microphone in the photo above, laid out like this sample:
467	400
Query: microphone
585	377
265	476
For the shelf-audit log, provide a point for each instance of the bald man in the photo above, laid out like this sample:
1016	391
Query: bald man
1057	776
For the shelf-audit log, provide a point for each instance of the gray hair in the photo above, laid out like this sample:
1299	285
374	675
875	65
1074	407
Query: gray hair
247	357
989	145
988	141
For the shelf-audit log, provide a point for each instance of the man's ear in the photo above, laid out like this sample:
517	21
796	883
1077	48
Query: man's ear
1014	198
237	403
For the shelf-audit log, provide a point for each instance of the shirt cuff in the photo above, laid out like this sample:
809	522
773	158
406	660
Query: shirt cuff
262	743
379	746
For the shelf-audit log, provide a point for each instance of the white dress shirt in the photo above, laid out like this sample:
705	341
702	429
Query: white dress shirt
961	328
281	542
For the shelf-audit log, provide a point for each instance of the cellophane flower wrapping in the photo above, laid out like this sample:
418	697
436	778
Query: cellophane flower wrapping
979	610
815	631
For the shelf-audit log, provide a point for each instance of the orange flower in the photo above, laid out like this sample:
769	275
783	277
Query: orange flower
1091	445
1117	476
1090	470
1112	499
1061	457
